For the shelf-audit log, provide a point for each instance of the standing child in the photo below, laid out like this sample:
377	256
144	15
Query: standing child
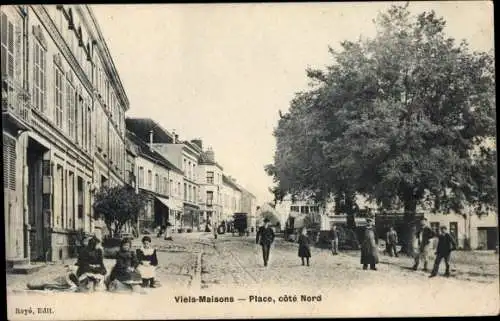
148	262
334	239
391	242
304	246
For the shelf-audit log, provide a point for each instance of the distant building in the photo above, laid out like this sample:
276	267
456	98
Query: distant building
158	177
249	206
231	198
185	155
210	181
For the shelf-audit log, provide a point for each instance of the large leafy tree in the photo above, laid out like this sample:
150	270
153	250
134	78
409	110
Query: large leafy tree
403	118
117	206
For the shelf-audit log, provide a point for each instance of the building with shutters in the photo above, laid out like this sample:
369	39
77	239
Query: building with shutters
231	198
185	155
210	178
154	174
63	108
249	206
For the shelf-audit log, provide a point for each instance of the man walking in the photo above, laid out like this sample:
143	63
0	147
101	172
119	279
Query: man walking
424	237
391	242
265	237
446	244
334	239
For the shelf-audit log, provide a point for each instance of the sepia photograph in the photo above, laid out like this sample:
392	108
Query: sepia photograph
249	160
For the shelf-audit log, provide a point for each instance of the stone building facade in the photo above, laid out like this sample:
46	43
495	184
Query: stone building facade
63	110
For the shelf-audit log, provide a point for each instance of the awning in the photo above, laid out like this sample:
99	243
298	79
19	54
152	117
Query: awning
165	201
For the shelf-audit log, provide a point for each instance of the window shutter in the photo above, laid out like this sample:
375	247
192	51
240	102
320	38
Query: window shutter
9	162
10	47
17	53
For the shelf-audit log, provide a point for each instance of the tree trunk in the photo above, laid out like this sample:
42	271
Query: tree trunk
410	208
110	229
350	210
118	227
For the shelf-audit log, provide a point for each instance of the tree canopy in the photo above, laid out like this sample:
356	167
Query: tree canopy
405	118
118	205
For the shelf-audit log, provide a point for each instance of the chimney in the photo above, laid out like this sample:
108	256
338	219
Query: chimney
174	136
198	142
151	139
210	155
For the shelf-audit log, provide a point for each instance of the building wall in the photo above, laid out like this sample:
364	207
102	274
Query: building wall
466	226
231	201
53	53
176	197
210	184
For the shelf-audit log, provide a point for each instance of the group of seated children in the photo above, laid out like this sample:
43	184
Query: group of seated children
131	270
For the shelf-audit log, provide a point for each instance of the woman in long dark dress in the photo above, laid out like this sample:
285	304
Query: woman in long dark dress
369	248
148	261
124	270
304	246
91	270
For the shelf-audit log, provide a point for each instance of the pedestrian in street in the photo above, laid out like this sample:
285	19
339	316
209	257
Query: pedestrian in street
148	262
424	237
446	244
124	270
91	270
334	239
369	248
391	242
304	246
265	237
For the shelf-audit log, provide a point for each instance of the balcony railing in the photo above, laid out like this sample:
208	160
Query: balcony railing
16	102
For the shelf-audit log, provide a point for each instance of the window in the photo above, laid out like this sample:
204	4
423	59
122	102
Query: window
8	61
435	227
190	193
210	198
178	189
195	196
210	177
89	127
454	230
294	208
70	108
165	186
141	176
157	183
185	191
170	188
150	179
39	80
58	96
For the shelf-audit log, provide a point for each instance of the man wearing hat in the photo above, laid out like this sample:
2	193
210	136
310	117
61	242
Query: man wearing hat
369	248
265	237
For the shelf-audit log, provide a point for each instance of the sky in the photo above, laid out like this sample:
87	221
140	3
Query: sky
222	72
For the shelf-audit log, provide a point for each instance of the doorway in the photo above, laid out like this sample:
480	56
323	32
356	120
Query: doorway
38	233
487	238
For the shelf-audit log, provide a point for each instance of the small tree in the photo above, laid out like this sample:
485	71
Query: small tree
273	219
118	205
